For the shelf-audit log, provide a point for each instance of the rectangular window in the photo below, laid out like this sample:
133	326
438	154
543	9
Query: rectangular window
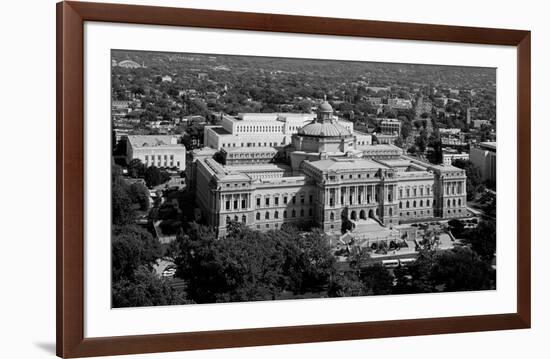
276	201
227	205
243	203
258	201
267	201
235	204
285	200
310	199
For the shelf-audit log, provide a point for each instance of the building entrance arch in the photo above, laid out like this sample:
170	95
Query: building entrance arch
371	213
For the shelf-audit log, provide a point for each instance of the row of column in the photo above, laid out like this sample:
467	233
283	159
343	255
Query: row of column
232	197
454	187
360	194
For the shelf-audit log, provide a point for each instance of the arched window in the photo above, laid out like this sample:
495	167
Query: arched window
400	205
421	203
293	213
449	203
414	204
407	204
258	215
302	212
428	202
332	216
459	202
284	214
454	202
266	215
391	211
236	218
244	219
276	214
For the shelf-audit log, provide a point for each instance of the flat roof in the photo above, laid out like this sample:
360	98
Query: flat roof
154	141
334	164
220	130
264	167
250	149
489	145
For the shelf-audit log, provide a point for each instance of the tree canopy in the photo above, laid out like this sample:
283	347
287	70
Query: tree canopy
249	265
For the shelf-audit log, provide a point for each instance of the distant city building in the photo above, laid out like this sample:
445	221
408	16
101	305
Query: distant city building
321	177
383	139
450	131
399	103
374	101
255	130
441	101
449	157
480	123
129	64
156	150
453	141
378	88
484	156
390	126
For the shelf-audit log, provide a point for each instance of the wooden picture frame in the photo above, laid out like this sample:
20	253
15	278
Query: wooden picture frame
71	17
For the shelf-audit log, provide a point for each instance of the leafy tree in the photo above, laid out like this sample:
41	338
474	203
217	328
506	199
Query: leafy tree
457	227
136	168
482	239
376	279
420	142
139	194
406	129
346	222
461	269
436	154
146	289
154	176
132	247
305	106
346	284
358	257
420	274
250	265
122	211
473	180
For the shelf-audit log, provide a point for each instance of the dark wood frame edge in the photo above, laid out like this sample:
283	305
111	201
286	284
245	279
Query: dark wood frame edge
70	186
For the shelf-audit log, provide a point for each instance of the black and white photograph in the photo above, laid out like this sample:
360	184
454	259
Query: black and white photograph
247	178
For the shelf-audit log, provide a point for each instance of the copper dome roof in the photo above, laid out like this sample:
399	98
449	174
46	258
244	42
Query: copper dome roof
325	129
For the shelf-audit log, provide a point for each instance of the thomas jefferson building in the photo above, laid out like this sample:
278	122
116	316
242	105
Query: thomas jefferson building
324	172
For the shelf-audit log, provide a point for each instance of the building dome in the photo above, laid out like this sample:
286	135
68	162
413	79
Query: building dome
325	107
324	129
